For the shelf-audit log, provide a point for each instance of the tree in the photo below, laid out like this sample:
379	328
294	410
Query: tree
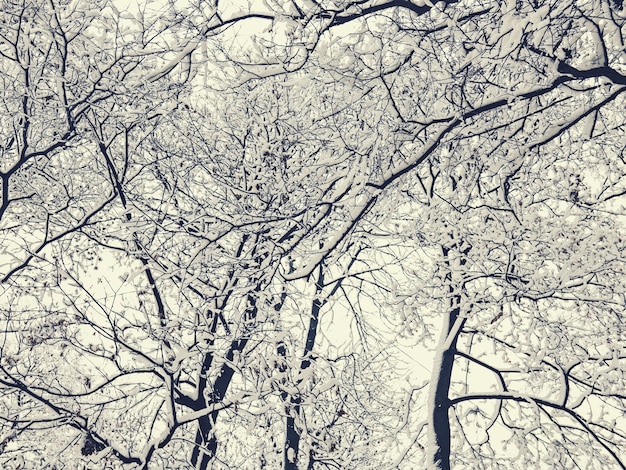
174	197
535	293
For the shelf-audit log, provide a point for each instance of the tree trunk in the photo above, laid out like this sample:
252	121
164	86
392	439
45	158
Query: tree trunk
292	434
439	425
292	441
439	402
206	443
205	446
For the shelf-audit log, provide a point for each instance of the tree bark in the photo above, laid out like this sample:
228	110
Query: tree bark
205	446
205	443
439	443
292	434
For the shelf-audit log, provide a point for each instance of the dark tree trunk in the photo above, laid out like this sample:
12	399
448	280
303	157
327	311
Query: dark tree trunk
292	441
292	434
442	378
205	446
205	442
442	370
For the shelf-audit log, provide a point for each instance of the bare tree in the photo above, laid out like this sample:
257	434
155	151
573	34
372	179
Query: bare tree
183	211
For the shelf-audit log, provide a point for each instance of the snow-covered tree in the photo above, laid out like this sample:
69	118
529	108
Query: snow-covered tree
187	207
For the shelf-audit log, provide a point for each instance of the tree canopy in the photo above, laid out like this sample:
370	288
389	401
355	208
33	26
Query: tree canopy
313	234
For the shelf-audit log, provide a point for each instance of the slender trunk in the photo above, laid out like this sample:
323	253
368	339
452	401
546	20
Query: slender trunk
205	446
292	440
439	423
205	443
292	433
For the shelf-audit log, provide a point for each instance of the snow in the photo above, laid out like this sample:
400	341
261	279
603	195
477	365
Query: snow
178	58
118	310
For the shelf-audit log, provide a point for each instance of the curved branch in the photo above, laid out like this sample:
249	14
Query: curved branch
555	406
